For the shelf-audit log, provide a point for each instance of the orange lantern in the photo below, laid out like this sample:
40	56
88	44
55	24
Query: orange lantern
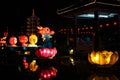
13	41
23	40
103	57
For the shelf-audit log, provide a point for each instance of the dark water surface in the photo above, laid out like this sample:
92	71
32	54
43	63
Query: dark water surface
81	71
11	67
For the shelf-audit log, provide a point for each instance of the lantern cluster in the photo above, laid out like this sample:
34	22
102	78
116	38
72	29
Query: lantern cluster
32	66
80	30
23	39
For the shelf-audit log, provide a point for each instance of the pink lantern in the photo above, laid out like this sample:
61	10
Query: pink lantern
46	52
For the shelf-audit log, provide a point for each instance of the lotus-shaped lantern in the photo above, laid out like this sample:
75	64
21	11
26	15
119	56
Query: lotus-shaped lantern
103	57
46	52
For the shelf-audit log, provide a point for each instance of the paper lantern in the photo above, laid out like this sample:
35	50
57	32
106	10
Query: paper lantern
23	40
13	41
33	39
103	57
46	52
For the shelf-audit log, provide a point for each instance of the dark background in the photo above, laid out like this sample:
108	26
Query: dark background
14	13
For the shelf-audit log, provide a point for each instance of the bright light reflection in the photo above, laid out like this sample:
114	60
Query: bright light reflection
100	15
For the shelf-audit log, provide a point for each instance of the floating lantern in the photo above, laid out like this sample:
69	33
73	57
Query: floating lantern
23	40
114	23
33	39
103	57
13	41
46	52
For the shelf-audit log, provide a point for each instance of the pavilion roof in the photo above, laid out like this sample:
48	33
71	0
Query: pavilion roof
90	7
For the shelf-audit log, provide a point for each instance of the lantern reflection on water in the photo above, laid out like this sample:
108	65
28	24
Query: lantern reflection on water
103	77
103	57
48	73
33	66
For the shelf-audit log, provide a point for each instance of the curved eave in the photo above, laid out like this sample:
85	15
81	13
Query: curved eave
73	11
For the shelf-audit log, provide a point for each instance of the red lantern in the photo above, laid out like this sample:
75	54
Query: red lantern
107	24
23	40
46	52
115	23
101	26
13	41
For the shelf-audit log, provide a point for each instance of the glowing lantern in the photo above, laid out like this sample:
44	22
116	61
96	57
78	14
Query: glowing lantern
103	57
46	52
101	26
5	34
13	41
91	27
48	73
33	39
23	40
115	23
107	24
102	77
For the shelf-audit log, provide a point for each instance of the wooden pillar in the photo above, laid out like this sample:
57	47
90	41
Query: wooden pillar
96	32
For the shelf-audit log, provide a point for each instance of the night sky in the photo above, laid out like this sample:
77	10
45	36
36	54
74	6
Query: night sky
15	13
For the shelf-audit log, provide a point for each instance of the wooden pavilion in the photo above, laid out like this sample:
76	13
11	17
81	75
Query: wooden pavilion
95	8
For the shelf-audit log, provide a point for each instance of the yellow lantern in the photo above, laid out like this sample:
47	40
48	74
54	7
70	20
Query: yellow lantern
103	57
33	39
